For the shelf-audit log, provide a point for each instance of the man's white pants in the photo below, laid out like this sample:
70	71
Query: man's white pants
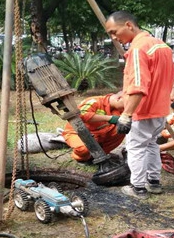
143	152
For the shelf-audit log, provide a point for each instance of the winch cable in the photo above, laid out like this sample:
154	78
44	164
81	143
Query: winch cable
37	133
85	226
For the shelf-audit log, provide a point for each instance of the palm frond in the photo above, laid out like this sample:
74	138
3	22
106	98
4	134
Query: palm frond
91	67
107	83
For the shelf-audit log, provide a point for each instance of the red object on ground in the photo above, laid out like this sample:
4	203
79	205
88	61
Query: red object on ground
147	234
167	162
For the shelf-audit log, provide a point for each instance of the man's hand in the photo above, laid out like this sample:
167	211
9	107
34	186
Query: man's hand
124	124
114	120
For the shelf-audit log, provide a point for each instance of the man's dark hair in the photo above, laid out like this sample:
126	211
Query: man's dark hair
123	16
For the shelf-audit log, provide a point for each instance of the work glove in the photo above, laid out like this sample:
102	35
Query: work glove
124	124
114	120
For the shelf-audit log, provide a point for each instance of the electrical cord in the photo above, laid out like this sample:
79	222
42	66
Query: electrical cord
85	226
37	133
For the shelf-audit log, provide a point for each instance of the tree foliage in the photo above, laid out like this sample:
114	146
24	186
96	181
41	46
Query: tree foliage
158	12
90	70
74	17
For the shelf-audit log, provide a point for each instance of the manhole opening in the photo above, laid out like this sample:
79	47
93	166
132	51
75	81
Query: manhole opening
66	179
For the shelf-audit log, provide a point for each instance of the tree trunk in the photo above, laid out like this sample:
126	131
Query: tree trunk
165	33
38	24
94	41
62	11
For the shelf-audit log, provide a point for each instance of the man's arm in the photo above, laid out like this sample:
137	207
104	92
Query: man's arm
167	146
131	103
98	118
114	104
172	95
125	120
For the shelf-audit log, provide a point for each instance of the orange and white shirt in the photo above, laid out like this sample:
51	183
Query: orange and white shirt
149	70
95	105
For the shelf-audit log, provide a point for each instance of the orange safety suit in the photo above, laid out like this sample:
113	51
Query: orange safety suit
104	133
147	73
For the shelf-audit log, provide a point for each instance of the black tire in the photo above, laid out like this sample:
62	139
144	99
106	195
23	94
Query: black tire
80	203
55	186
21	200
116	176
42	211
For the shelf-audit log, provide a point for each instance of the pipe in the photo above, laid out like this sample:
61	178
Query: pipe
170	130
5	95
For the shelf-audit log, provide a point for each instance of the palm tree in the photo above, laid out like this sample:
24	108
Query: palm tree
89	70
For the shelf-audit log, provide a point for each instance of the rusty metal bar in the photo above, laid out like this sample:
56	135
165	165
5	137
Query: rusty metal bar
170	130
5	96
93	146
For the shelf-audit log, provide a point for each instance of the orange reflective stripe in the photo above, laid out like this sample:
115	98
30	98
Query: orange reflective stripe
155	47
86	107
100	112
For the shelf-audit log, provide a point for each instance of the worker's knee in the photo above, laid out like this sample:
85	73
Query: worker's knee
81	153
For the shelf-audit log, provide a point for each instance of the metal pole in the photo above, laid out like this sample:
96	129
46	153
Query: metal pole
5	96
102	20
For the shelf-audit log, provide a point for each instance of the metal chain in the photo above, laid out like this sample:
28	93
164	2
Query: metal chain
23	97
23	111
20	106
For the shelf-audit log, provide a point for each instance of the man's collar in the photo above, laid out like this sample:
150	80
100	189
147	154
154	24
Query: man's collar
140	35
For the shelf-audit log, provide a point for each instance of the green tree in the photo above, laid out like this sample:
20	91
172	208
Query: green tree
76	17
2	14
149	12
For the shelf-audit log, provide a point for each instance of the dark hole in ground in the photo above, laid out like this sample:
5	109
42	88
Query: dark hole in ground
67	180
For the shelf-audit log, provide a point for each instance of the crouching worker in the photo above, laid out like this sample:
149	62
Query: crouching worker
167	158
100	115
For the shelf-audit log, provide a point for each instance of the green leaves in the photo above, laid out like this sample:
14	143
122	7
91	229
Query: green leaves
91	68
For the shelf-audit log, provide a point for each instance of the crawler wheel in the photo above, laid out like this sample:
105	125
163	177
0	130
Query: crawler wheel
20	199
42	211
80	203
55	186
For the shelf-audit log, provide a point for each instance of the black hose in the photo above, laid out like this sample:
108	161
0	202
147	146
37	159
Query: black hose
7	235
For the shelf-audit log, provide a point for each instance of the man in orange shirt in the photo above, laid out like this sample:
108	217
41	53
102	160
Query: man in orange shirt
148	80
100	115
